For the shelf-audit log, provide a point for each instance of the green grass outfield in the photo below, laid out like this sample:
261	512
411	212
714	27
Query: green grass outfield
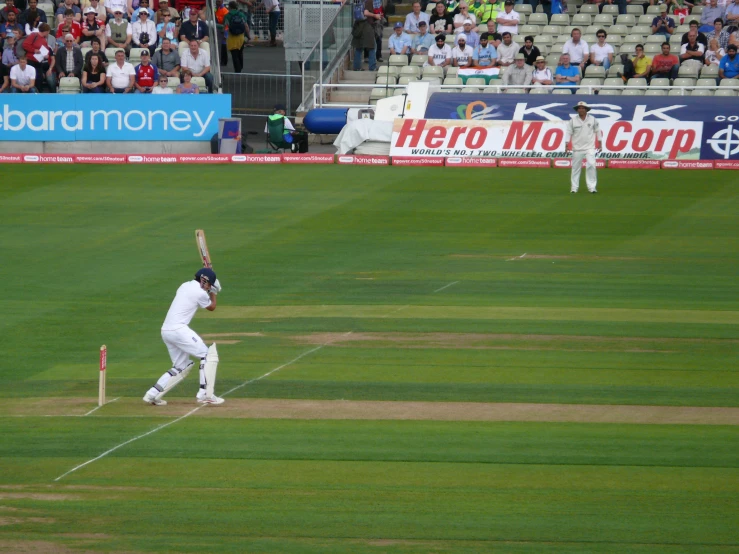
457	287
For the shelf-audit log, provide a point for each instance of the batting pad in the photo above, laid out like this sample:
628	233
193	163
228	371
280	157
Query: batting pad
175	380
211	367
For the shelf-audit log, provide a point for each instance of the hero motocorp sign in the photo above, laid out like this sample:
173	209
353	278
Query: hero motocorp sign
111	117
632	126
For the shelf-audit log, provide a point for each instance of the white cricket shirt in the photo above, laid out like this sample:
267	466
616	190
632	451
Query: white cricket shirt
439	55
582	132
190	296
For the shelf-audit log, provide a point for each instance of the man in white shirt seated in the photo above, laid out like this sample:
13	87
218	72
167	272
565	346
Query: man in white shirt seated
440	54
144	32
542	75
508	19
197	60
120	75
462	54
414	18
23	77
507	50
601	53
577	49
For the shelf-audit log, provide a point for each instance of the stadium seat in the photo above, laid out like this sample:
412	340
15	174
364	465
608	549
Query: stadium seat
524	9
539	19
378	93
603	20
629	48
646	20
653	10
633	92
637	82
658	39
452	81
539	90
610	9
110	54
659	82
678	92
589	9
595	71
655	92
544	40
691	70
553	61
589	82
696	10
731	83
205	46
701	92
515	91
627	19
681	29
620	30
615	69
692	17
563	90
410	71
201	84
637	10
471	89
433	71
590	38
134	56
398	60
612	82
645	31
404	80
709	71
552	30
524	30
631	37
69	85
652	48
386	80
560	19
432	80
493	90
181	47
725	92
706	83
173	83
476	81
419	59
387	70
615	40
85	51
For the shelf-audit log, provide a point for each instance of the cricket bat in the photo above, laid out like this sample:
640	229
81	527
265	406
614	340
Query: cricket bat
203	248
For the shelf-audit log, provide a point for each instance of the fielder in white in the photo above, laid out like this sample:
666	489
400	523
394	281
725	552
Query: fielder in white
583	138
182	342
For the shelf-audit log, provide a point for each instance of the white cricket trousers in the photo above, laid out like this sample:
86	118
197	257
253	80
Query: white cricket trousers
183	343
591	177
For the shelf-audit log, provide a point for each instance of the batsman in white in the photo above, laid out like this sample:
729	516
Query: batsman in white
182	342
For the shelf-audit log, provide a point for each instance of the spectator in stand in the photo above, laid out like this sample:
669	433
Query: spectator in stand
142	4
462	53
69	27
363	33
729	65
174	17
120	75
41	56
166	29
715	53
473	39
679	9
32	6
507	50
147	75
69	59
462	17
601	53
162	86
167	59
235	22
710	13
567	75
93	27
542	75
187	86
577	49
519	74
99	7
732	13
197	61
378	8
248	7
10	57
4	79
111	6
93	75
422	41
194	28
23	77
9	8
118	32
144	32
415	17
440	54
61	12
494	38
508	19
693	50
489	11
272	7
663	24
665	64
734	39
702	38
485	55
441	20
399	42
718	33
638	67
11	23
529	51
97	51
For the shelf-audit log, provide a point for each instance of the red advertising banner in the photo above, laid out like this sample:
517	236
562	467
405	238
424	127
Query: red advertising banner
524	162
11	158
347	159
308	158
471	162
566	163
424	161
726	164
687	164
99	158
263	158
633	164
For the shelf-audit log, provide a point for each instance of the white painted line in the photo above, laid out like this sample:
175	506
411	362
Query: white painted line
445	287
188	414
396	311
521	257
98	407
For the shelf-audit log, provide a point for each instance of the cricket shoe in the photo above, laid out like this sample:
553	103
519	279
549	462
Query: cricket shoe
211	400
153	400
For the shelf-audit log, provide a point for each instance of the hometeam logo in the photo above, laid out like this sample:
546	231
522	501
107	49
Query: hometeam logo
725	142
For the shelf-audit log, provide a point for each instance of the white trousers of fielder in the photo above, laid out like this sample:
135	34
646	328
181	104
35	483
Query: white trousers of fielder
591	177
183	343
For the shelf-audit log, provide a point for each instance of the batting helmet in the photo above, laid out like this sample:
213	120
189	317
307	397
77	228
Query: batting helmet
206	272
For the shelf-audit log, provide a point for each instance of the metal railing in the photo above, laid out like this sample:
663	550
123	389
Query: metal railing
322	93
214	39
255	94
327	53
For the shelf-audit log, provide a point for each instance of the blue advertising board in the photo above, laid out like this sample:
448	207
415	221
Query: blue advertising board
708	127
111	117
